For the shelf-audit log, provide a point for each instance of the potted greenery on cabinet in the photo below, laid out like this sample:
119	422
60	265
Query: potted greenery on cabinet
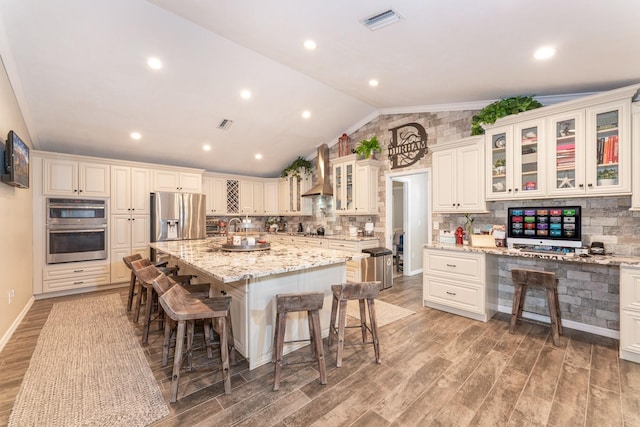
368	147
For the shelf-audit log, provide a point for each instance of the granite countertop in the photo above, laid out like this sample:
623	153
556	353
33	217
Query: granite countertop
344	237
622	260
206	255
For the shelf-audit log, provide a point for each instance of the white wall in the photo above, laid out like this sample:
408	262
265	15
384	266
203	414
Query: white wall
16	223
418	224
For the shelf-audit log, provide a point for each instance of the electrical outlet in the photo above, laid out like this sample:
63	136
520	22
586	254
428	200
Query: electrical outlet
12	294
436	225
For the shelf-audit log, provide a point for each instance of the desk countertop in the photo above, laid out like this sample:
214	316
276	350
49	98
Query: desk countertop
620	260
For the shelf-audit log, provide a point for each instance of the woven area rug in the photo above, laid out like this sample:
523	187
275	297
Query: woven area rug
385	312
88	369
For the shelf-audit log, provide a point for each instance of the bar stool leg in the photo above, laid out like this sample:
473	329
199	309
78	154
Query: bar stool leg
342	320
555	298
191	325
177	361
317	343
167	341
553	315
136	313
230	339
224	354
282	323
311	334
207	338
374	328
363	320
332	322
147	316
132	291
517	302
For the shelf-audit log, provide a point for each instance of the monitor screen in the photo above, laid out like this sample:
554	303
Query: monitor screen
553	225
16	162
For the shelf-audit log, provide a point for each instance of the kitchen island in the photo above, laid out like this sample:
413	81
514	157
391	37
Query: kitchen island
252	279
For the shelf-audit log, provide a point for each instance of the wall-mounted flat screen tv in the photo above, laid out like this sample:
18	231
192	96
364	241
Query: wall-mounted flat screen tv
16	162
545	226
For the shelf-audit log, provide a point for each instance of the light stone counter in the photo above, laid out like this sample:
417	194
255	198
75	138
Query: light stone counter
620	260
226	267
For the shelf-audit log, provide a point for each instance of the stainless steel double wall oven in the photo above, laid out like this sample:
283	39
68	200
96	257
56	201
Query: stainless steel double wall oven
76	230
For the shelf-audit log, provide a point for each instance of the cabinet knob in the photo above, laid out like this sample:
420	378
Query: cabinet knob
75	191
79	191
451	265
581	185
223	292
133	219
451	293
589	185
453	204
458	204
509	190
516	189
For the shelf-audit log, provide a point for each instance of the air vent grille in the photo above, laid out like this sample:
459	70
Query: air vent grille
225	124
381	19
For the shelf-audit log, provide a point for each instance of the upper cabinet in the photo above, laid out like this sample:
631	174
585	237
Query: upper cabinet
177	181
63	177
516	161
130	189
575	148
355	185
458	168
635	199
214	188
271	197
290	190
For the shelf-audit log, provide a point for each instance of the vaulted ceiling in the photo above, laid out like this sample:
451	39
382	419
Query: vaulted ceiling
79	69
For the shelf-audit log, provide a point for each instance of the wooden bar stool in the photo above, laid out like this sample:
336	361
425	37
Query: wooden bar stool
132	283
161	284
182	308
145	279
365	291
525	278
311	302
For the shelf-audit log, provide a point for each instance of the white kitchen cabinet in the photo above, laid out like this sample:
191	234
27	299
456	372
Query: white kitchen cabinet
258	198
355	186
171	180
271	197
591	151
630	313
246	197
458	171
67	177
354	267
516	163
215	191
290	190
130	188
635	198
129	234
79	275
463	283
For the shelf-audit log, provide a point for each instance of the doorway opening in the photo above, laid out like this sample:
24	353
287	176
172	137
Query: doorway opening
408	218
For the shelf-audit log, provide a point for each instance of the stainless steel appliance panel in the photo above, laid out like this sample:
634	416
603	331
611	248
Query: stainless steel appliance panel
76	211
72	243
193	216
165	216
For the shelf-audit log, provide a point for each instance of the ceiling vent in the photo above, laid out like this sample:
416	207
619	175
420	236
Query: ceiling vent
225	124
381	19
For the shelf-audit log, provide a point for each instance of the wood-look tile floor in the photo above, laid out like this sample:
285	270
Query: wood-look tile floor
437	369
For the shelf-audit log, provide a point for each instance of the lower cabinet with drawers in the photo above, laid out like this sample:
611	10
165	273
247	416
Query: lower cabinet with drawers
463	283
630	313
64	277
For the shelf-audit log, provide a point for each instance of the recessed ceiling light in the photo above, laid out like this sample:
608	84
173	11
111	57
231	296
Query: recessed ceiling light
310	45
306	114
206	147
258	156
373	82
136	135
154	63
545	52
245	94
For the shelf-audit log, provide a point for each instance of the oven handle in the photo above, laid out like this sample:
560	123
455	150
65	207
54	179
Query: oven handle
77	206
76	230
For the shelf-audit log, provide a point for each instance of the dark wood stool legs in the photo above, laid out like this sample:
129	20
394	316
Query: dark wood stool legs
525	278
365	293
310	302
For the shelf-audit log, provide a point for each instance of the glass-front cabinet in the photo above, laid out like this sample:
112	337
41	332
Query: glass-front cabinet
516	161
591	151
343	186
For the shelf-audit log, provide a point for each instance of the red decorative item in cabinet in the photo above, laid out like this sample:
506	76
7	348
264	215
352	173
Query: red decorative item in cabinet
459	235
343	145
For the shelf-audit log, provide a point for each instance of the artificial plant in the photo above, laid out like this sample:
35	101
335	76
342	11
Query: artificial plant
294	168
367	146
504	107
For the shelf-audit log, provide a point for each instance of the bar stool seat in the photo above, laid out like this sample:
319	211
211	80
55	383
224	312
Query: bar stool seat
547	280
182	308
145	278
311	302
162	266
363	292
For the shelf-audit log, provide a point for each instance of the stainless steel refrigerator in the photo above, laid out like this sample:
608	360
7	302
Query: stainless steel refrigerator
177	216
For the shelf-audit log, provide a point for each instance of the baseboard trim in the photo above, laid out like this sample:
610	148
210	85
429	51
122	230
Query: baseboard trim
68	292
596	330
7	336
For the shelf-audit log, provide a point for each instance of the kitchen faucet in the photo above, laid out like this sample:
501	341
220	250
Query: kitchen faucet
231	221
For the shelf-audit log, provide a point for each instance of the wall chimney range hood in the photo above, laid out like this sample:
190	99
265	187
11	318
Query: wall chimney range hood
322	186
